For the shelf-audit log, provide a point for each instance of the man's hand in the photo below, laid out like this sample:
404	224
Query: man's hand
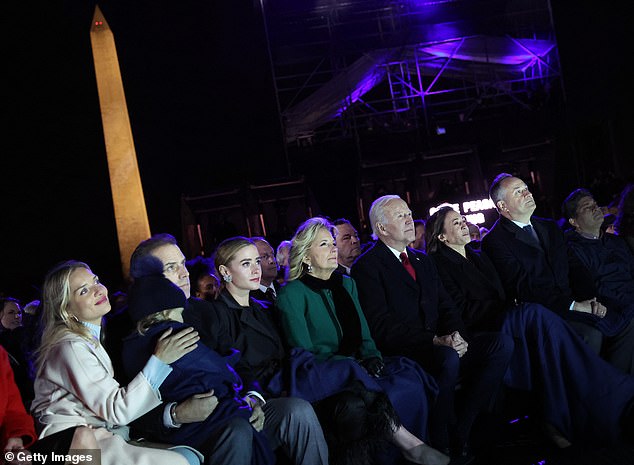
598	308
257	418
197	408
453	340
590	306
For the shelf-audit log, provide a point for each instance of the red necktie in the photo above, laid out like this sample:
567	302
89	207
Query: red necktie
408	266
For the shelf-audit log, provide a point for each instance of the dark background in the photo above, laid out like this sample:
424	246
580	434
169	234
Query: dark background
203	115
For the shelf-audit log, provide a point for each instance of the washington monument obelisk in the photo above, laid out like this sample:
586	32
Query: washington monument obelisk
125	181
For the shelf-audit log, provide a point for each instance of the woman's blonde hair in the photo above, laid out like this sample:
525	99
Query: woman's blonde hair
302	241
228	249
56	318
146	322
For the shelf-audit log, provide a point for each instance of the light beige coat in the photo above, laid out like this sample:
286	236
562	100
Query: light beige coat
76	387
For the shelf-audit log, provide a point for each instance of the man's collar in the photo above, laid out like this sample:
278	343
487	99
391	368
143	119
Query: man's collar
586	235
347	268
521	225
396	253
265	288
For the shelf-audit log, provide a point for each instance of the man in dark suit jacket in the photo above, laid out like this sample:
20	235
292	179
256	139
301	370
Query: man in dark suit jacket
609	261
410	314
268	280
348	245
532	261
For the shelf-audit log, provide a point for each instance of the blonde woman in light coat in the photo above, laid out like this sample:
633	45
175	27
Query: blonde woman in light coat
75	386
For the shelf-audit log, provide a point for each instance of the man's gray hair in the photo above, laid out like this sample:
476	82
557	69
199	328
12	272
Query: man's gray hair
496	191
377	212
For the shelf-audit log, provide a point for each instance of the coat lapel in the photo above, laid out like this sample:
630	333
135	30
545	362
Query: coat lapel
484	271
520	234
248	318
396	268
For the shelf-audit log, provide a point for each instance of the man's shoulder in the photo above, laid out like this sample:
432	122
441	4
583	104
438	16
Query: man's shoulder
197	306
377	251
497	232
370	252
572	237
500	239
371	259
200	311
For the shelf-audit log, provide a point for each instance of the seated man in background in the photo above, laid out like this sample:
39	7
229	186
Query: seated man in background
348	245
281	255
419	240
530	256
268	280
610	263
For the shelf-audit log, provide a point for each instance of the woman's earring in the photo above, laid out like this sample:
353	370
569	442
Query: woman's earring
227	278
309	267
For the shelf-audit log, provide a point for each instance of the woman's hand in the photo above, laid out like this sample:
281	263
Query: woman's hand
11	450
257	418
14	444
171	347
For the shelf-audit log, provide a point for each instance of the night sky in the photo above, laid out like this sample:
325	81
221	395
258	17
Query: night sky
203	115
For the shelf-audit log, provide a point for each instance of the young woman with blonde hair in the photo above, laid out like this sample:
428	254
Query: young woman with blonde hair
74	385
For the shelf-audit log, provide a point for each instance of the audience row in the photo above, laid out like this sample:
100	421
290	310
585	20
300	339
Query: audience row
332	351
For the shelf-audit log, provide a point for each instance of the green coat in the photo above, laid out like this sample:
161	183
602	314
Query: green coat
309	320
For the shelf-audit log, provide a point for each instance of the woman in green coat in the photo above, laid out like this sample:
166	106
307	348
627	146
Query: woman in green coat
320	313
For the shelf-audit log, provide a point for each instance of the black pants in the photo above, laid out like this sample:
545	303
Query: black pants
617	350
479	373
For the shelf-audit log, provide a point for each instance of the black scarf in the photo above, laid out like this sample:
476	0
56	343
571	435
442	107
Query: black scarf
345	311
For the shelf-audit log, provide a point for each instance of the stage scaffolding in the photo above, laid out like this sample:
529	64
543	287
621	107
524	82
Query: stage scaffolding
344	67
424	97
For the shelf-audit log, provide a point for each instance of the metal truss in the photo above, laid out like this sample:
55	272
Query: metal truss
393	66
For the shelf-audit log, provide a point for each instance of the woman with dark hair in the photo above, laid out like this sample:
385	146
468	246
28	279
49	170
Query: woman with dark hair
75	386
582	396
321	313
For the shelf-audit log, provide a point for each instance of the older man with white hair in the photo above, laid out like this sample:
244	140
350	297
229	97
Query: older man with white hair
411	314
